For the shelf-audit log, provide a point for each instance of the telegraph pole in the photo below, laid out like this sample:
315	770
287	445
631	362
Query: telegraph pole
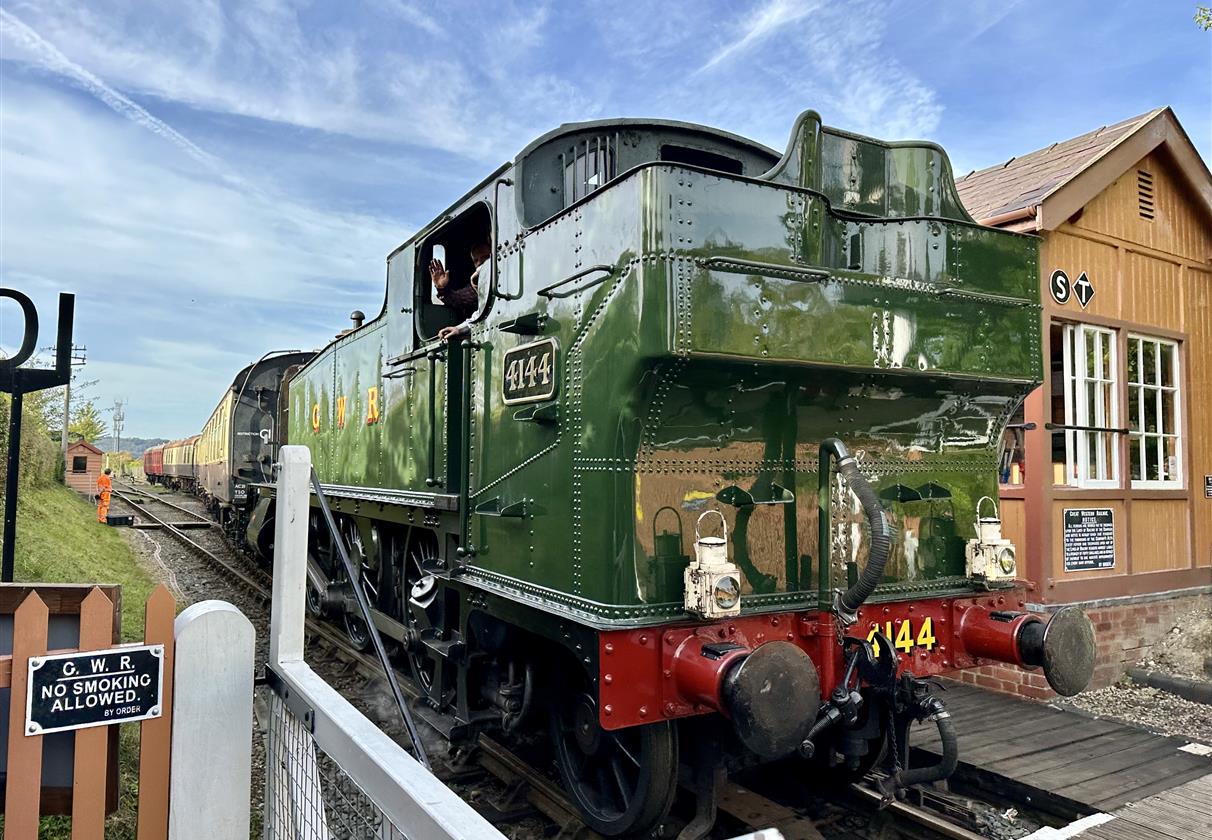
78	354
118	420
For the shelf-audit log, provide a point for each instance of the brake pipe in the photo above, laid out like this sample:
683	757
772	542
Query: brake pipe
846	604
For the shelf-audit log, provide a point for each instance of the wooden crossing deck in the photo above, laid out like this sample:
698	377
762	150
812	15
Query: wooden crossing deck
1181	813
1068	763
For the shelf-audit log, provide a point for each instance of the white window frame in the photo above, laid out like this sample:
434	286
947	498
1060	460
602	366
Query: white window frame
1080	339
1138	392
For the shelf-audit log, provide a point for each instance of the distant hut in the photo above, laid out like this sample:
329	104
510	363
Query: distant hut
82	468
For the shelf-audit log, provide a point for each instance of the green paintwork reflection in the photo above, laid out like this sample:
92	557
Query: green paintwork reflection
692	379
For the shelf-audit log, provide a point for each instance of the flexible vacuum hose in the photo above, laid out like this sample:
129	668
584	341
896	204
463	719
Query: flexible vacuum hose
881	534
934	772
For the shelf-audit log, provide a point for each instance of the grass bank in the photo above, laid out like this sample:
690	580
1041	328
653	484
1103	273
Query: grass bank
60	541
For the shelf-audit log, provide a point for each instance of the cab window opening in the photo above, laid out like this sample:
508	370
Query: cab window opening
453	273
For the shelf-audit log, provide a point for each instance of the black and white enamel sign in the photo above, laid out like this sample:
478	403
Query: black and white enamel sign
94	688
1208	486
1059	286
1089	539
1084	289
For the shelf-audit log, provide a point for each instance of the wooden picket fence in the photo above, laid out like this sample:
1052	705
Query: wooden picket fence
92	755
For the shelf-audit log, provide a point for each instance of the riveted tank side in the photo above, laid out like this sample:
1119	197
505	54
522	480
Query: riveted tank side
734	324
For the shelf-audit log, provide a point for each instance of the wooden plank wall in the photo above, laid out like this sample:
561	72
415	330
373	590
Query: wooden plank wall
1152	277
1014	521
1198	300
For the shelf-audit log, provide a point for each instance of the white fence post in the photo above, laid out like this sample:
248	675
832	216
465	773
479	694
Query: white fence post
211	772
320	747
291	513
294	804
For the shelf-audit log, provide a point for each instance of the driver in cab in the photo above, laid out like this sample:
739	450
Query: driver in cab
462	298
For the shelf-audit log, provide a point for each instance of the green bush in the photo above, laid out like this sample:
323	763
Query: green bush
41	461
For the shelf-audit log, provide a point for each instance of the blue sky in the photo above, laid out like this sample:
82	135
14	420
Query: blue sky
217	179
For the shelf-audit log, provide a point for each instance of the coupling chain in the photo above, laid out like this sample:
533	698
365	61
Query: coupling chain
893	736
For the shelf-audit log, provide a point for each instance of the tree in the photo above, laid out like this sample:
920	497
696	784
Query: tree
39	455
86	423
1203	17
123	463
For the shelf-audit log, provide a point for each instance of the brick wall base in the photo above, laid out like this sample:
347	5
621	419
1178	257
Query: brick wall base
1125	631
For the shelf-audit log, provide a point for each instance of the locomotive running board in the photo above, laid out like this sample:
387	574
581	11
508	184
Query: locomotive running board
406	498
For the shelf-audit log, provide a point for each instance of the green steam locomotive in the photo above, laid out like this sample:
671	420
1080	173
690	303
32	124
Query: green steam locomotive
706	458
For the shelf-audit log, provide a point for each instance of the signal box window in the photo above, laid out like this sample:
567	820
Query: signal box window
1154	442
1090	386
79	463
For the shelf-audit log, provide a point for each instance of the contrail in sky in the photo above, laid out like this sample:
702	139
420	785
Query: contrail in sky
54	60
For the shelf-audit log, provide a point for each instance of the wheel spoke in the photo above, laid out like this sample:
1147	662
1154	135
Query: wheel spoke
603	787
621	782
625	751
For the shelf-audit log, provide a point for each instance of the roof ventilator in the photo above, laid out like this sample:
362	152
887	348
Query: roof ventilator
1144	194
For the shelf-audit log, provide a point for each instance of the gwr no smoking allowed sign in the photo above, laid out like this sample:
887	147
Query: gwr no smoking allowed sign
94	688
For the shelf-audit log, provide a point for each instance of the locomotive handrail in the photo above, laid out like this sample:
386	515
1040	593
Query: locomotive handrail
735	265
433	357
1064	427
987	297
496	275
549	291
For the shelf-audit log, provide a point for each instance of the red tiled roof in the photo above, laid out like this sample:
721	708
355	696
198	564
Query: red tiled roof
1023	182
85	444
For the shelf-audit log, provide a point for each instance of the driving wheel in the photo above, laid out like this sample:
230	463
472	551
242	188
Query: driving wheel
623	781
355	627
422	605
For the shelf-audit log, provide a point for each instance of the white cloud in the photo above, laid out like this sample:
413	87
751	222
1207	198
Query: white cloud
772	17
49	57
180	277
397	74
765	64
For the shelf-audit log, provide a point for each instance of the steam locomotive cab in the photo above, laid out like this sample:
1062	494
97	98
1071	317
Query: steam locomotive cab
720	448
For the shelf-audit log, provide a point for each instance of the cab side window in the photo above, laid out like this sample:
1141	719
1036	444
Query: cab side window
453	272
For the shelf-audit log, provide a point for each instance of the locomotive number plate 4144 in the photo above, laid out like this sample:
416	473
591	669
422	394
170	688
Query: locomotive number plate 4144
530	371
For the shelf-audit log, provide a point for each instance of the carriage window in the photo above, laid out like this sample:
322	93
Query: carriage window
700	157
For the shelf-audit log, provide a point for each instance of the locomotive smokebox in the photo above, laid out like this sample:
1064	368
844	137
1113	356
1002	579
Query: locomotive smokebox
1063	646
771	693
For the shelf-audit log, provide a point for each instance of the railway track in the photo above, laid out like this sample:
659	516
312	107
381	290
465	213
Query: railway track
527	790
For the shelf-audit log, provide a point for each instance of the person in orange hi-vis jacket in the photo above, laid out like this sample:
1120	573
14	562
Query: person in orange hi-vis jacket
105	486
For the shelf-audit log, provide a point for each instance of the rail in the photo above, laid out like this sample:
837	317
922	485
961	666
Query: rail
228	568
330	771
157	498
